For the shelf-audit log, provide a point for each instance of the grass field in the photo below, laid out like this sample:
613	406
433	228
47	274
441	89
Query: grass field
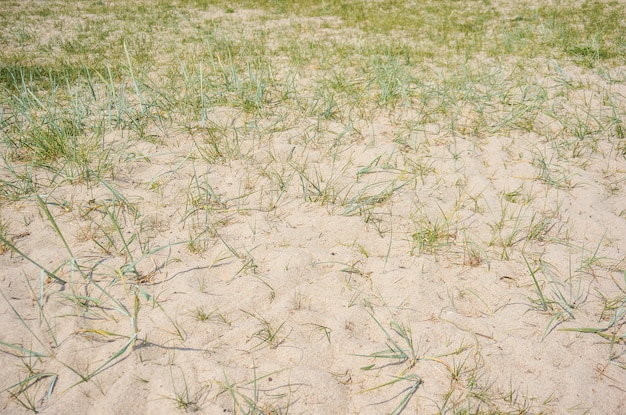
313	207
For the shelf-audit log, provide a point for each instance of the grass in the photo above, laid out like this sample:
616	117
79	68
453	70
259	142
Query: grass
478	146
404	355
249	397
268	334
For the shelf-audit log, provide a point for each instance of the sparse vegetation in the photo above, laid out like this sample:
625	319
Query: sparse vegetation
198	189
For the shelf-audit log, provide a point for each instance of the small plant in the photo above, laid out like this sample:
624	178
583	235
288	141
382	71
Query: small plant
204	316
324	329
27	392
364	202
565	296
474	255
268	333
251	398
400	352
431	236
320	189
552	174
184	399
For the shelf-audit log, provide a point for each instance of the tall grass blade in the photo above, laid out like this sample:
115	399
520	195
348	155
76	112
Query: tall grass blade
544	303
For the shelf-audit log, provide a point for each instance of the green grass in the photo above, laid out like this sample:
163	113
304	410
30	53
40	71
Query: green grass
148	143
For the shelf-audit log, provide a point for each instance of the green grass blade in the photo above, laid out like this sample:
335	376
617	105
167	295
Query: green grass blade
27	352
102	367
35	377
43	206
544	303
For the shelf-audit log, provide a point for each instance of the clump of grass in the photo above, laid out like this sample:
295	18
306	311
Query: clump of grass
565	297
268	333
184	399
204	316
432	235
249	397
400	352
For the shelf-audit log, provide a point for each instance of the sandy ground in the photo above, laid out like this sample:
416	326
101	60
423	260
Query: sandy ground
312	274
286	294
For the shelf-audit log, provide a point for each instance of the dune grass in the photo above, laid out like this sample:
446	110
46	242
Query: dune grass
384	111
